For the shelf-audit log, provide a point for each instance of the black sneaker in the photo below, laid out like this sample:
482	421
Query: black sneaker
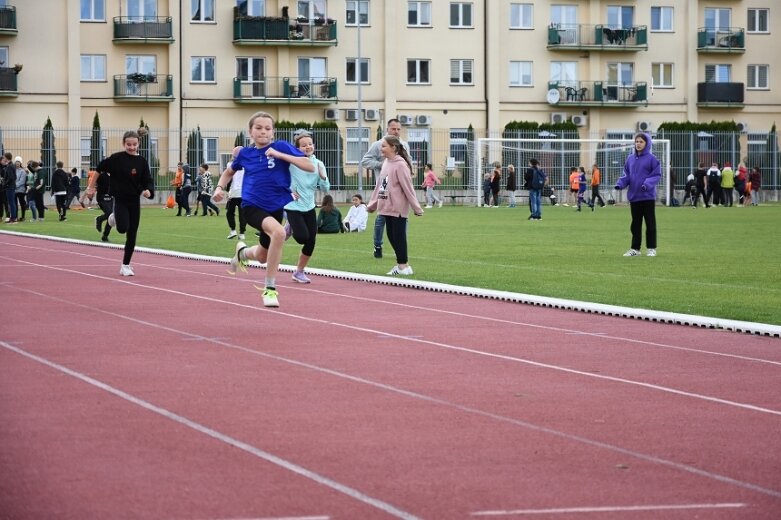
104	238
377	251
98	225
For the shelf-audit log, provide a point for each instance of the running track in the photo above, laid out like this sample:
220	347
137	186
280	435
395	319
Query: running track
174	394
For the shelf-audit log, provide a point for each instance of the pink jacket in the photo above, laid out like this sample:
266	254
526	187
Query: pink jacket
431	180
394	193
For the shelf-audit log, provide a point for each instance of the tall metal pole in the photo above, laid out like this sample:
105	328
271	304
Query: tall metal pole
360	98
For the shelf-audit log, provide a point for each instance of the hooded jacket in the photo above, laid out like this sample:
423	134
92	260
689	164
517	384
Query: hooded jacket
642	172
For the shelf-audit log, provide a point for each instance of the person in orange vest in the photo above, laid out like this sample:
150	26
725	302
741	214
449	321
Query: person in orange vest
596	178
574	185
177	184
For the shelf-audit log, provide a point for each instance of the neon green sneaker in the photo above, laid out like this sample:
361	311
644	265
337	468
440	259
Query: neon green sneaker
236	261
270	296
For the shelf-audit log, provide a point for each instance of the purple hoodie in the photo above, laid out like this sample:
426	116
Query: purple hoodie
642	172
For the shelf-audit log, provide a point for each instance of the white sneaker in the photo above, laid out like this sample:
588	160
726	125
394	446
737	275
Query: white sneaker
429	206
241	236
126	270
236	262
651	252
632	252
112	221
439	204
232	234
398	271
270	296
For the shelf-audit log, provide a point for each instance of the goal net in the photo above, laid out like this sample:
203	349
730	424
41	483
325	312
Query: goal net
557	157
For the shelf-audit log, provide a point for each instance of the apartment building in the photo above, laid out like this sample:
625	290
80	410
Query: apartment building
612	65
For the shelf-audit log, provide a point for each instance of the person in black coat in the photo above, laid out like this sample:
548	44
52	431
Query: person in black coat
60	186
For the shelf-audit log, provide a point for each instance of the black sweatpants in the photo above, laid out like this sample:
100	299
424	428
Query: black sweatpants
127	214
643	210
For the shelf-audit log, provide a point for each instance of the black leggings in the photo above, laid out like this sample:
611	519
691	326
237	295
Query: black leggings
304	226
127	215
643	210
234	205
396	228
106	203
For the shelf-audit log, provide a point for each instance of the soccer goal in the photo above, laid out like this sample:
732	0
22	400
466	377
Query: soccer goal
558	156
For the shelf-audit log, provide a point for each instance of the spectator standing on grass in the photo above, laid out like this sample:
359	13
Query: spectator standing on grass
393	196
690	190
373	160
207	190
177	185
5	162
74	183
187	188
21	188
101	186
741	177
234	203
700	177
302	221
714	184
429	182
264	193
755	178
30	187
131	179
496	184
486	190
357	216
512	185
596	179
727	183
40	189
582	183
329	220
60	186
537	179
642	172
574	183
9	187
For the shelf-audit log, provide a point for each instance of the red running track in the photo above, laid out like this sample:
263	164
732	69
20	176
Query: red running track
174	394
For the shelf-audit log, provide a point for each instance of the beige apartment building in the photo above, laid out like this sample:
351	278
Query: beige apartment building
439	65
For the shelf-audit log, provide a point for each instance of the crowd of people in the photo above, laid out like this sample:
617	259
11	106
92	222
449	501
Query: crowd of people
721	185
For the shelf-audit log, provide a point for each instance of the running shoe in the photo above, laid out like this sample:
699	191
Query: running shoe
232	234
236	261
98	225
398	271
632	252
300	277
126	270
651	252
270	296
112	221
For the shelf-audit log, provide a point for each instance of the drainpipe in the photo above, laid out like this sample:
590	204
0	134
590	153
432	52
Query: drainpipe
486	31
181	88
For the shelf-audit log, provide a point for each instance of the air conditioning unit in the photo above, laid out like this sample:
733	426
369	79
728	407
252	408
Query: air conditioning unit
742	127
405	120
351	115
558	117
371	114
580	120
643	126
423	120
331	114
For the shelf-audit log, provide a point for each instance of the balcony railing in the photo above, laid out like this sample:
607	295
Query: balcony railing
724	40
600	93
263	30
144	87
720	95
285	90
143	30
8	82
597	37
7	19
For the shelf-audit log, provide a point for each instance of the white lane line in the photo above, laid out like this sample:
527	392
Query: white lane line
607	509
205	430
414	395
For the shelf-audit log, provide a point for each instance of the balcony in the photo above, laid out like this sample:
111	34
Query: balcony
263	30
8	20
579	37
720	95
143	30
721	41
285	90
144	87
598	94
8	78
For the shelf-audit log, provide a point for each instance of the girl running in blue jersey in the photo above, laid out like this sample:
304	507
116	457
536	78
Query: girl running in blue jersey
264	194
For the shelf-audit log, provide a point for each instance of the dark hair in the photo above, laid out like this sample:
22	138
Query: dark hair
205	166
392	120
60	164
534	162
395	142
327	204
429	166
358	196
74	170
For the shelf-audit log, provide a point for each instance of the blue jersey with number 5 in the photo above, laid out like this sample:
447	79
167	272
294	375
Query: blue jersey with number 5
266	179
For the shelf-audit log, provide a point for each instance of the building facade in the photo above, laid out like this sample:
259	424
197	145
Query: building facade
441	66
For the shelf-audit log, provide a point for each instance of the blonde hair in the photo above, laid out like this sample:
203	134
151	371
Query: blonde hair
258	115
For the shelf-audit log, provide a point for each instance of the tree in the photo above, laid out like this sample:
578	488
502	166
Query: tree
48	151
240	139
95	148
195	148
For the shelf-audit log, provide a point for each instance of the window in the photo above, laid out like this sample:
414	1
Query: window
520	74
357	68
210	151
662	75
202	10
142	10
461	72
418	140
357	12
86	149
419	14
251	73
311	8
564	14
718	73
4	57
311	71
459	147
93	67
460	14
757	20
757	76
139	65
418	71
620	73
357	144
620	16
565	73
202	69
521	16
93	10
718	18
662	19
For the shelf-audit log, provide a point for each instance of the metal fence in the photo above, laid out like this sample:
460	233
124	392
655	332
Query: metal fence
450	151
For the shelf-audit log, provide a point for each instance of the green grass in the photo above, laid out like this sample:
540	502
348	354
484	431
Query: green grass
720	262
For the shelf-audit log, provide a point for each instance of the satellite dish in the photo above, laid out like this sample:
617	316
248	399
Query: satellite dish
553	96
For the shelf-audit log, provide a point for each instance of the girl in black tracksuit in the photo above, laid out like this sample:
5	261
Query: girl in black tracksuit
130	178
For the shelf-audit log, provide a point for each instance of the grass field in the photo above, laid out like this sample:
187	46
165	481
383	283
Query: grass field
719	262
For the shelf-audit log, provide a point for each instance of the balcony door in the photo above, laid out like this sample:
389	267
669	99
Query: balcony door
252	74
311	71
142	10
717	24
312	9
620	82
138	70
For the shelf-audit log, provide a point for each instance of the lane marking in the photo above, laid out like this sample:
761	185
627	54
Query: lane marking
231	441
607	509
426	398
